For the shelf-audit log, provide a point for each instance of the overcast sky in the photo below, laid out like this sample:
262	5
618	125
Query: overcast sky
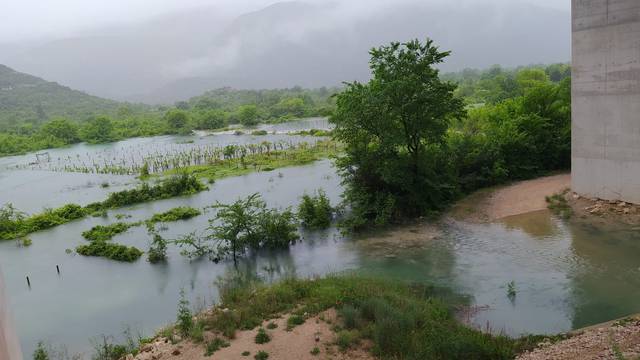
42	19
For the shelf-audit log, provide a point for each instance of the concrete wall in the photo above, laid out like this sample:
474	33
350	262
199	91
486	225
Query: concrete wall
9	346
606	99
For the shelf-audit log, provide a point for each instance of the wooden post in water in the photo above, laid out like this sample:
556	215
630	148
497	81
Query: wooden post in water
58	269
28	282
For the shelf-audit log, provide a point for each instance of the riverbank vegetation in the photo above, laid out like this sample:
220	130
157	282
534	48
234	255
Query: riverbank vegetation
400	320
213	110
15	224
412	146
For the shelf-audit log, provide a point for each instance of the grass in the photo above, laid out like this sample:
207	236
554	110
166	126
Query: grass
315	351
559	205
294	320
262	337
403	321
261	161
215	345
261	355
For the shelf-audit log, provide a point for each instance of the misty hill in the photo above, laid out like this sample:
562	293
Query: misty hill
26	98
288	44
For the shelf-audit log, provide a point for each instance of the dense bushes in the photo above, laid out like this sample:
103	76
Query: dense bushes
109	250
238	227
15	224
411	148
315	212
103	233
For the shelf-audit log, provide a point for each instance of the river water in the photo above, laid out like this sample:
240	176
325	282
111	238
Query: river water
567	274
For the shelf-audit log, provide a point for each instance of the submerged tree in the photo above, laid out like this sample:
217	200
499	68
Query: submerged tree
240	226
394	127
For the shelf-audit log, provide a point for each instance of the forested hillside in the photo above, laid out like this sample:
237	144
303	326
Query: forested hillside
26	99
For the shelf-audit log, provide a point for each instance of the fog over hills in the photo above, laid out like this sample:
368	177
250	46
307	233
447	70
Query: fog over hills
180	55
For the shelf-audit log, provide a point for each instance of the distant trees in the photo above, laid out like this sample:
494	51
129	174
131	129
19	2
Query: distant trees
98	130
178	121
248	115
61	129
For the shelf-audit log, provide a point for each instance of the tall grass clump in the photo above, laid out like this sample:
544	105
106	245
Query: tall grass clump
101	248
175	214
106	232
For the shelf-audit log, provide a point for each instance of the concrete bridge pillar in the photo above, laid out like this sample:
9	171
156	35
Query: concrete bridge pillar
606	99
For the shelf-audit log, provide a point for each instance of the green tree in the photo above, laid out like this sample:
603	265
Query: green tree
178	121
393	129
248	115
185	316
98	130
61	129
212	119
40	353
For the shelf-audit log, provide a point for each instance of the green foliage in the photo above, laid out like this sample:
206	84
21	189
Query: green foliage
185	317
104	233
402	321
347	338
262	337
158	249
178	121
511	290
559	205
245	224
294	320
394	128
14	224
41	352
315	351
315	211
175	214
248	115
98	130
215	345
109	250
261	355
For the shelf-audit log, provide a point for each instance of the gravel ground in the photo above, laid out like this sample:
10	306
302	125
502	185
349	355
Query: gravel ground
619	341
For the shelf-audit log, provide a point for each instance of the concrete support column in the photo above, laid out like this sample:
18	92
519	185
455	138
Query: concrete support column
606	99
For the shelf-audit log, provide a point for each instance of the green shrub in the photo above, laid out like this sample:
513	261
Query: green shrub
350	316
315	211
262	337
261	355
196	334
294	320
347	338
272	325
40	353
259	132
246	353
185	317
315	351
215	345
104	233
158	249
175	214
110	251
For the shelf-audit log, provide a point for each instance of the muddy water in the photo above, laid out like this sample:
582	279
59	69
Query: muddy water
567	274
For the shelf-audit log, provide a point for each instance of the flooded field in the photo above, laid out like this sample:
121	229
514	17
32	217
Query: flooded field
567	274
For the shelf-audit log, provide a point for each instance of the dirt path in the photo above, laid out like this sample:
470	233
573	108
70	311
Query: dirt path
296	344
518	198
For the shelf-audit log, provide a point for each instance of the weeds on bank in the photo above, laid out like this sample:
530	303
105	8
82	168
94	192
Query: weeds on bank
559	205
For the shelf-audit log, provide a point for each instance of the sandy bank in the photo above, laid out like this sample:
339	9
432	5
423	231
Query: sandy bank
514	199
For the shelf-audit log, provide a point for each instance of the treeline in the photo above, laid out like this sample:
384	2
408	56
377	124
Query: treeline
497	84
413	144
214	110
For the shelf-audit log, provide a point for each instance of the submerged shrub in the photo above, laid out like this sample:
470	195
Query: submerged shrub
104	233
175	214
315	211
110	251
